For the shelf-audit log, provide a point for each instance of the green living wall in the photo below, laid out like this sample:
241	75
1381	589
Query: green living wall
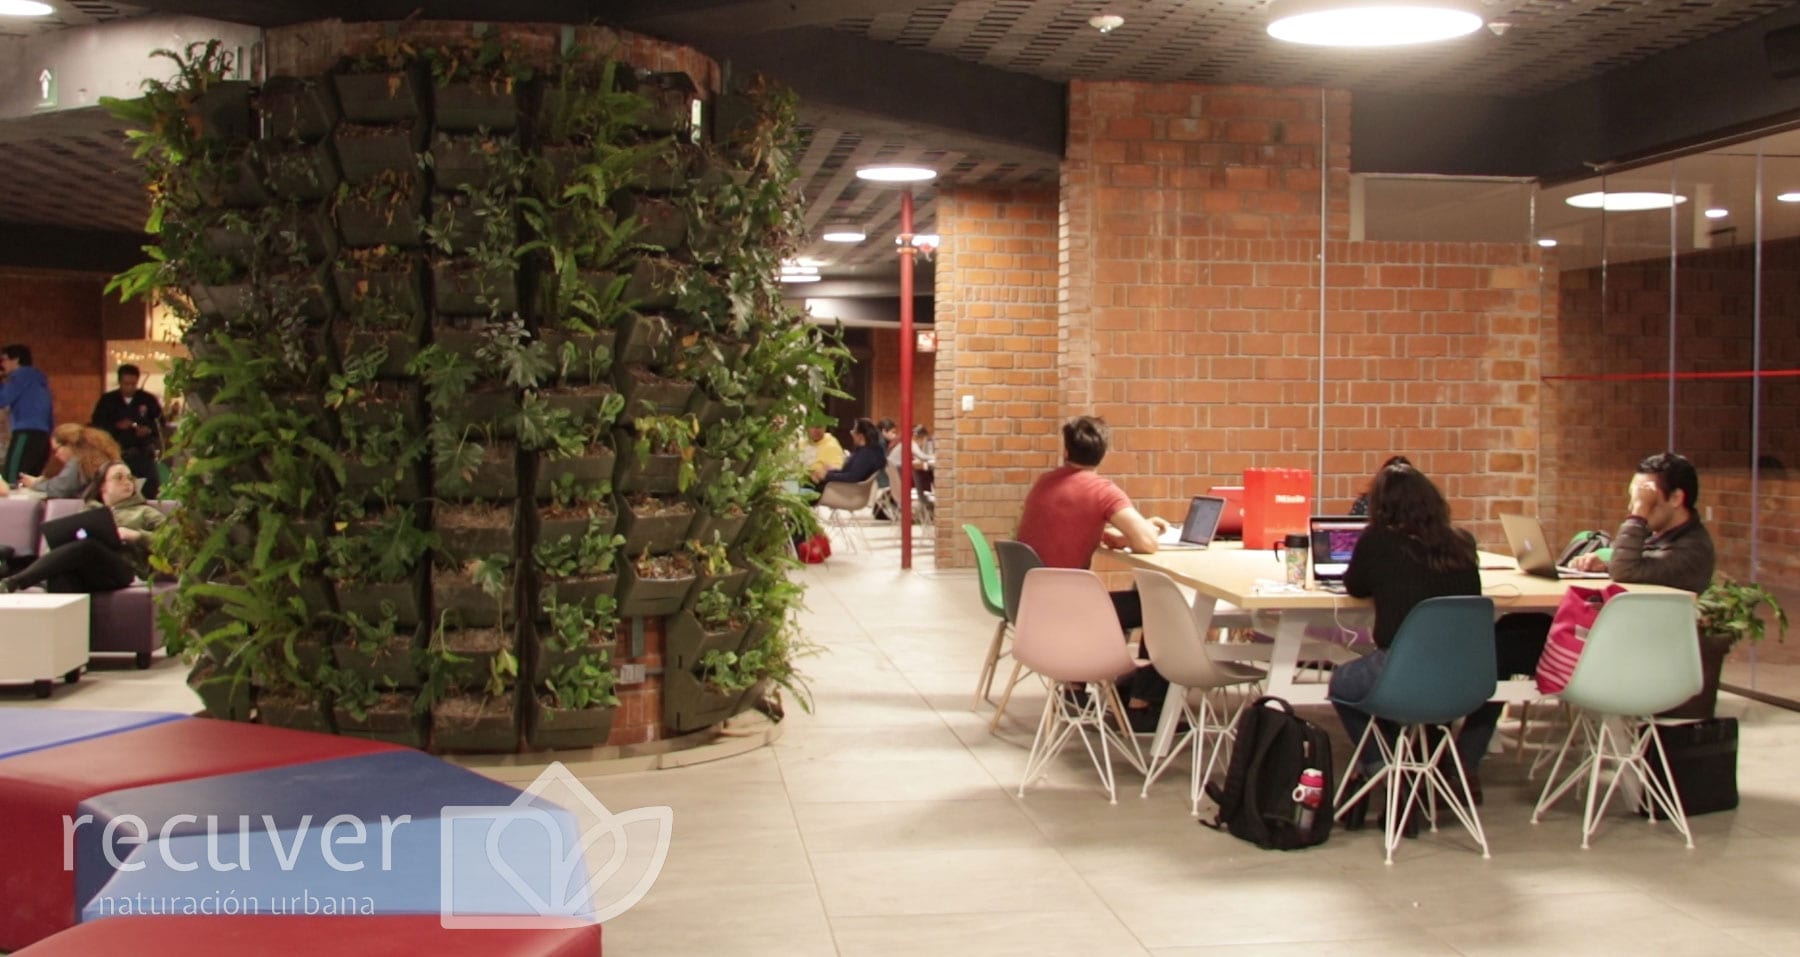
488	358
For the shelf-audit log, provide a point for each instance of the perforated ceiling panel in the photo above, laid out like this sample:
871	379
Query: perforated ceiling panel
86	181
1546	43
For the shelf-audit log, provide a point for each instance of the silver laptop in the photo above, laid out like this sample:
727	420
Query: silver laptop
1334	540
1196	531
1532	549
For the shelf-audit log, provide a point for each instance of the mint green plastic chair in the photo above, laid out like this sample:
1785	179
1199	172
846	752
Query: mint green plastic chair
1642	657
991	599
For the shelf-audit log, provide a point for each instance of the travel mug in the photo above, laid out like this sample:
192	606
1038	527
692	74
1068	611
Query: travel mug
1297	546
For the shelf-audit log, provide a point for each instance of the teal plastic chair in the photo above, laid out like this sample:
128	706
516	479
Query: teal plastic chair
1642	657
1439	668
992	600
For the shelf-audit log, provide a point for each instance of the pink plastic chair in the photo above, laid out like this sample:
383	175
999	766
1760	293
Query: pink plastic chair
1068	633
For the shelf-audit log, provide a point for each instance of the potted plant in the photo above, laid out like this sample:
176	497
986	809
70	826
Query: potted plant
462	659
653	523
715	623
468	531
298	109
475	594
572	627
361	709
377	562
477	85
574	705
379	86
660	456
1730	611
655	585
716	571
367	150
380	649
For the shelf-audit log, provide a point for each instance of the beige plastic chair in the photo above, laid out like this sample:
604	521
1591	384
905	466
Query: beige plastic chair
1177	644
1069	634
842	498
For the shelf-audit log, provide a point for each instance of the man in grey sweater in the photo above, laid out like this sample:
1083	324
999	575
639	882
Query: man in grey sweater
1662	541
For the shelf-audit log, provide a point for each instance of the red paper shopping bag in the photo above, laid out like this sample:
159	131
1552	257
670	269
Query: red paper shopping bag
1276	502
1568	635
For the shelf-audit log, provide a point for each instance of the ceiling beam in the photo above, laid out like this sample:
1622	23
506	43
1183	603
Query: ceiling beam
695	20
41	246
923	99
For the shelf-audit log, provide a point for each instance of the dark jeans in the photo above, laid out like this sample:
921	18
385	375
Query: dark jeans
83	567
1518	643
1352	681
922	479
28	453
142	462
1145	684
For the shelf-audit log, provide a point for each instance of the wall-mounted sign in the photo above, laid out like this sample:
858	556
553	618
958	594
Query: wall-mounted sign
46	89
926	340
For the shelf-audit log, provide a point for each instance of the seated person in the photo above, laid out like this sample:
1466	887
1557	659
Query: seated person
1073	510
1661	542
866	457
1409	553
1361	505
84	452
924	453
820	453
87	566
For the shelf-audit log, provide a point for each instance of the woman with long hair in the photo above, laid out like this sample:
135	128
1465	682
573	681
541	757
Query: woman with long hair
84	452
1410	552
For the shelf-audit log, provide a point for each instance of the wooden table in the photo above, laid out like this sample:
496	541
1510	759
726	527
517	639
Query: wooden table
1253	580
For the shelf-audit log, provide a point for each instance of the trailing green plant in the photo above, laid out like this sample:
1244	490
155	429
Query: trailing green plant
371	637
503	670
388	548
711	558
729	671
488	62
716	609
668	435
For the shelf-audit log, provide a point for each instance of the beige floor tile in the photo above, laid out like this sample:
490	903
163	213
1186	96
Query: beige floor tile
116	685
1770	940
1420	946
1277	902
896	883
1081	933
705	920
951	778
915	826
1620	923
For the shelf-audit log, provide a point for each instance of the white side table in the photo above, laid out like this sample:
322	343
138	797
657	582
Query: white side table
42	637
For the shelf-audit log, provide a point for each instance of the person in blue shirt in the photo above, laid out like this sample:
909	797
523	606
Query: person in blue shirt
26	395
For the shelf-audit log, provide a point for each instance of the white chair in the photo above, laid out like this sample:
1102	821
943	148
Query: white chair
1176	640
1069	634
840	499
1642	656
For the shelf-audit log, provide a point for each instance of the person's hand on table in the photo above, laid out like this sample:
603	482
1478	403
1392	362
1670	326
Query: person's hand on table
1162	524
1588	563
1114	540
27	481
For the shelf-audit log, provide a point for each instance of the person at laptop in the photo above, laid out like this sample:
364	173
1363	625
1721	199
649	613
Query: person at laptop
1661	541
1361	505
1409	552
86	566
84	452
1072	510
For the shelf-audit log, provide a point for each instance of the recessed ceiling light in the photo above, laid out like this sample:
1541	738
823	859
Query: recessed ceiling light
24	8
795	269
1717	212
844	233
1547	243
1624	202
1106	22
807	261
1788	198
1370	23
798	277
896	173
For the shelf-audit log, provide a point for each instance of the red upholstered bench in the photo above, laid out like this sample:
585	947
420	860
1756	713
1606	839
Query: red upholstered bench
397	936
38	790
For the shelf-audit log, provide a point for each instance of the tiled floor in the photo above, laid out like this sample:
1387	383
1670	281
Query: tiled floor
886	823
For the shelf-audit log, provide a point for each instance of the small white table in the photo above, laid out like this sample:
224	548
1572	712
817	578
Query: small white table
42	637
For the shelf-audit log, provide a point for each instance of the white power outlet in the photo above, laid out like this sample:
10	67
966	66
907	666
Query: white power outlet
631	674
968	403
1708	513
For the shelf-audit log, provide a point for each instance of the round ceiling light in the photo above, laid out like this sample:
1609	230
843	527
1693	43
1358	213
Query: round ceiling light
1717	212
896	173
844	233
1370	23
1625	202
1788	198
1547	243
24	8
1106	22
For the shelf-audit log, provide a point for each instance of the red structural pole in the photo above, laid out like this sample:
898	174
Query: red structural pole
906	375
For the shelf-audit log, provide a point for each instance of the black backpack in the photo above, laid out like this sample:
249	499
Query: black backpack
1273	747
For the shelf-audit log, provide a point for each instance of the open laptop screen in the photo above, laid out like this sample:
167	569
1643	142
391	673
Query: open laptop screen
1334	540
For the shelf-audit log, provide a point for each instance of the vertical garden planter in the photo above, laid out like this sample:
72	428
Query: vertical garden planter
653	283
225	695
686	641
644	338
365	151
302	173
646	392
731	583
464	288
299	109
552	728
463	161
580	590
391	719
726	527
689	704
474	723
236	183
383	211
378	97
370	599
659	529
299	712
393	663
595	466
398	285
454	594
651	597
497	477
475	531
576	525
647	473
470	106
661	223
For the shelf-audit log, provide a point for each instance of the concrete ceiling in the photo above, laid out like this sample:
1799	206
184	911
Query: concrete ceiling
976	88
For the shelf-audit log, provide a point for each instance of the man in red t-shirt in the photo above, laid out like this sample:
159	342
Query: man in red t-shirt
1070	511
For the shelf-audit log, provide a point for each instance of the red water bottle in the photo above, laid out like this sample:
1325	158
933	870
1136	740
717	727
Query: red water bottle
1309	794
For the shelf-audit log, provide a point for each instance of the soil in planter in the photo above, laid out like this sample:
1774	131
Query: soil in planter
300	712
474	723
553	727
478	646
389	719
468	606
655	523
365	150
475	530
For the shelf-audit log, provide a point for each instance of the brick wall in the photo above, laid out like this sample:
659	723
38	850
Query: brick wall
996	319
884	379
59	316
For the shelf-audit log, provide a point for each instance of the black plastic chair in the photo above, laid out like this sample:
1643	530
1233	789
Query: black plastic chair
1016	558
